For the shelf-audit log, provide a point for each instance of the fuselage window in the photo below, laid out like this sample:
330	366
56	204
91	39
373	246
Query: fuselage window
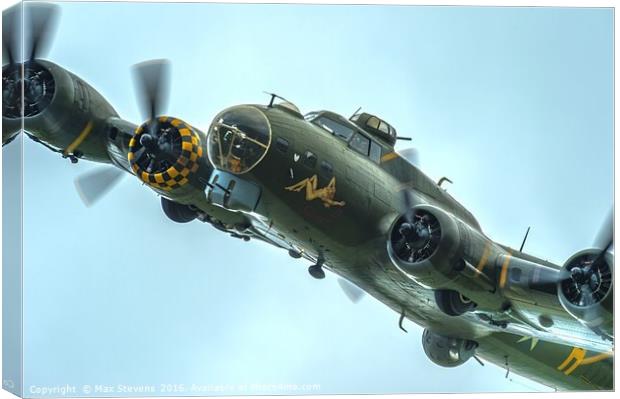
327	170
282	144
309	159
375	152
360	143
337	129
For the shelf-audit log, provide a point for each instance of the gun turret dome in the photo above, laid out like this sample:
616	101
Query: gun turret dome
375	126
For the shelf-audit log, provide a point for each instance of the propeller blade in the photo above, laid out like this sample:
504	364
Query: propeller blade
11	32
152	83
352	291
411	155
407	205
94	184
552	277
605	236
41	20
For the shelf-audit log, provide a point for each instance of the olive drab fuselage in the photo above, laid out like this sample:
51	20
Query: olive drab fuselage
325	189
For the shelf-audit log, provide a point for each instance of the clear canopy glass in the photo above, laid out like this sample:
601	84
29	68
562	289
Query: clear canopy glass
239	138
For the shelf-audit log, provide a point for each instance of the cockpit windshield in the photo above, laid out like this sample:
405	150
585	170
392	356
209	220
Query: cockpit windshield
238	139
338	129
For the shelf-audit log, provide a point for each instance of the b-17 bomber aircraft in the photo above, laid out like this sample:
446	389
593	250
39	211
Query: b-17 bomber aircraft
333	191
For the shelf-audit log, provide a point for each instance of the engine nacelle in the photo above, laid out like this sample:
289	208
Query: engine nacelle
59	109
426	246
447	351
586	290
167	153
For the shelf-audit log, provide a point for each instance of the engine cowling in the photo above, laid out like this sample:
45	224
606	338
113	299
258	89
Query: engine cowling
165	153
447	351
59	108
586	289
426	245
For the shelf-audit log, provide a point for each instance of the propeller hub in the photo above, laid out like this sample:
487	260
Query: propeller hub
163	152
579	275
150	144
416	234
159	146
416	237
38	87
588	280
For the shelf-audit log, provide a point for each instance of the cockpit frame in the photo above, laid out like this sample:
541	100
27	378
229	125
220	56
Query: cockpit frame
373	149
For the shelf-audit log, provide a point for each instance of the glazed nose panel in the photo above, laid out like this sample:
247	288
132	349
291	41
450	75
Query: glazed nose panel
239	138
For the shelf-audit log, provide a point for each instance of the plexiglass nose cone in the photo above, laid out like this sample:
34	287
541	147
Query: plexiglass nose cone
239	138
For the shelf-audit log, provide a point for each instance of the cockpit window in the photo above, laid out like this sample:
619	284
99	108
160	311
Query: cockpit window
375	152
360	143
310	116
337	129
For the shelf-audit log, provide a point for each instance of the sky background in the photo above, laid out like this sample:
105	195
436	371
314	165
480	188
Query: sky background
512	104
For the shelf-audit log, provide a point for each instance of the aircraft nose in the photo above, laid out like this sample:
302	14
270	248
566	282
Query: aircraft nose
238	138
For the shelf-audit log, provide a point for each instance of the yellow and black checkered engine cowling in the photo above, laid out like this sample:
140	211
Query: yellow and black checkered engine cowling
188	151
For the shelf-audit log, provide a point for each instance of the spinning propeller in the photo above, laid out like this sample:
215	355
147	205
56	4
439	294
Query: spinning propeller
417	233
588	277
29	78
160	147
352	291
583	272
152	82
40	24
411	155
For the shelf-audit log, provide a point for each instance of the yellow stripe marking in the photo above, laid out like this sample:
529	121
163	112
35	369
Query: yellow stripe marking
186	146
597	358
484	258
504	274
577	354
78	140
389	156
